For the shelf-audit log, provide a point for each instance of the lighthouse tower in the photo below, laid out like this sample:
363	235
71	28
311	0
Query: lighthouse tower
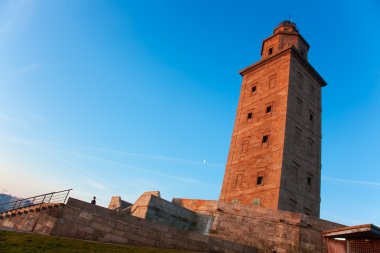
274	159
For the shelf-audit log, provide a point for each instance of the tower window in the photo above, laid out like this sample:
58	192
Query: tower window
309	181
270	51
250	116
311	119
268	109
253	89
265	139
259	180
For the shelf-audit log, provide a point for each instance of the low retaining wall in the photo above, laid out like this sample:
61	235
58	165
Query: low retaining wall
265	229
155	209
198	225
82	220
36	219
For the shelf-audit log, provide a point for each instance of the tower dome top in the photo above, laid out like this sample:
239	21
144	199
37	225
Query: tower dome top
286	24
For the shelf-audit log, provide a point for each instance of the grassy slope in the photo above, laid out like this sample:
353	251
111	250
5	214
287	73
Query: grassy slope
28	243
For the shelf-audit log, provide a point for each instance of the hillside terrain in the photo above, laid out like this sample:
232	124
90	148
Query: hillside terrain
13	242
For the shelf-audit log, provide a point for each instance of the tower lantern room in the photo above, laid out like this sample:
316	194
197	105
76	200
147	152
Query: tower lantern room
285	35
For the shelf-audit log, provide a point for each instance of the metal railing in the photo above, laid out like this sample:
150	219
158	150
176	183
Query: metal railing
52	197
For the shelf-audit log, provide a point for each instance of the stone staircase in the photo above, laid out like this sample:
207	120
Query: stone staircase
30	209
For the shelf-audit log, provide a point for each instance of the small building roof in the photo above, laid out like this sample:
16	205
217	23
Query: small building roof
365	231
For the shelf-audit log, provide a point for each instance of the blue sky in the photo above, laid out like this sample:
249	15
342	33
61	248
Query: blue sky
122	97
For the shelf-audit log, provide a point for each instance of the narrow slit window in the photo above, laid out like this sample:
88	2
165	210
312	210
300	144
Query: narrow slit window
269	109
259	180
249	115
253	89
311	119
265	138
309	182
270	51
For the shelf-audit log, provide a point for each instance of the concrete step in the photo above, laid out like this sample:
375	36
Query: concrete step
32	209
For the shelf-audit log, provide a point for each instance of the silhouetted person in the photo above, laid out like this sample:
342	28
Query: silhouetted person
93	201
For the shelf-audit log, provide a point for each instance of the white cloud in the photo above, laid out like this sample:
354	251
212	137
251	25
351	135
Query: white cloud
5	118
342	219
152	172
55	151
159	157
350	181
8	137
25	69
38	118
13	15
96	184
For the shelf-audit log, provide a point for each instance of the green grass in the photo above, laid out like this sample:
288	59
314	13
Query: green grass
14	242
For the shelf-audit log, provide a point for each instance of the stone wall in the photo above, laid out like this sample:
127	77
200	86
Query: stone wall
118	204
199	225
82	220
151	207
269	230
37	219
265	229
198	205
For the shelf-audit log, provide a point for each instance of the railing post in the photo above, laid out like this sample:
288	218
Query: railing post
14	204
67	194
51	195
43	200
35	200
20	204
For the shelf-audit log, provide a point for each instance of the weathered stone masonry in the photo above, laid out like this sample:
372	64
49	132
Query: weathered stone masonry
275	153
81	220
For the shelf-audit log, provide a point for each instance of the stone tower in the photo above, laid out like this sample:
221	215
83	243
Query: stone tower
275	153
